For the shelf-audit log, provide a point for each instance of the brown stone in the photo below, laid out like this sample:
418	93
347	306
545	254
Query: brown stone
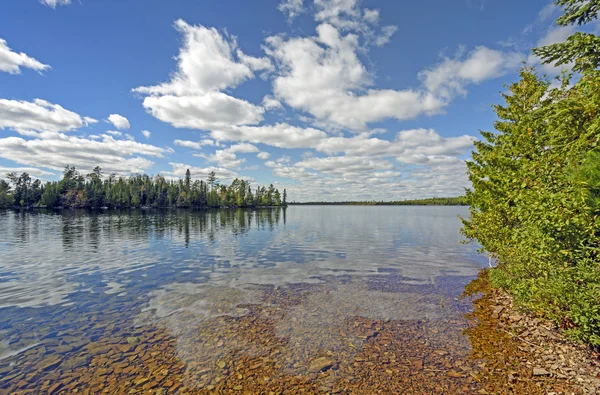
537	371
54	387
418	364
321	364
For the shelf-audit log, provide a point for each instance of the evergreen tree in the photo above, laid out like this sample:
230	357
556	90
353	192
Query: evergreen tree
95	191
6	198
536	182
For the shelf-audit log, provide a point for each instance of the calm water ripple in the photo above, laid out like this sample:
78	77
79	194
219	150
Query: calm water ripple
82	291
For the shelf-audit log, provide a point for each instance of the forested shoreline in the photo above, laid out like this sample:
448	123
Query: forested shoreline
435	201
535	200
95	190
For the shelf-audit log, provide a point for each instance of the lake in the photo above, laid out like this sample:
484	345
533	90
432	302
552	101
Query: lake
320	299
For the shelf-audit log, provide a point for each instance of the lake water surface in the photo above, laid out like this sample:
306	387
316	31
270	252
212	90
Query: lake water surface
317	299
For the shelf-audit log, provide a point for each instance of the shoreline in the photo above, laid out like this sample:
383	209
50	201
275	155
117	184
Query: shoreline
523	353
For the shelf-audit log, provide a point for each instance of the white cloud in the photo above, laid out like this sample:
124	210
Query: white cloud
323	76
224	175
146	134
547	12
385	36
53	3
451	76
32	171
114	133
352	178
208	111
55	150
11	62
341	13
243	148
291	8
270	103
255	64
416	163
207	65
345	165
27	117
371	16
280	135
193	144
409	146
119	121
188	144
89	121
227	157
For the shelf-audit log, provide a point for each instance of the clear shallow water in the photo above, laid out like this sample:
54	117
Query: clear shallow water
299	274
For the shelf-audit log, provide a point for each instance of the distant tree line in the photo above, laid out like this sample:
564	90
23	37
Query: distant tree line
435	201
93	190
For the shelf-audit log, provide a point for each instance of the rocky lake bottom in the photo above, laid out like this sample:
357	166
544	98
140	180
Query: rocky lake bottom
268	302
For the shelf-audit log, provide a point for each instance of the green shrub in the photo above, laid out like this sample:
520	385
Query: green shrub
535	199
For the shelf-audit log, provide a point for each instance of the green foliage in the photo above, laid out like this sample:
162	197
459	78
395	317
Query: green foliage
6	198
535	202
583	49
95	191
578	11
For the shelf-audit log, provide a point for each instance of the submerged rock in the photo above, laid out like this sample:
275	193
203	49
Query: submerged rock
321	364
540	372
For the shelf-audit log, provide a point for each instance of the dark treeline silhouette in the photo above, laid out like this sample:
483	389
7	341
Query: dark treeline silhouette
436	201
76	190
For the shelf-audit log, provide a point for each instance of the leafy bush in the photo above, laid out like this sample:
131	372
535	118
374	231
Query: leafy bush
535	201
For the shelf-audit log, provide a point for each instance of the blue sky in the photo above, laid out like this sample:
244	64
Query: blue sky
331	99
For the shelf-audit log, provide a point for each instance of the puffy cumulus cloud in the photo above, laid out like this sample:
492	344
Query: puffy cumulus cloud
444	179
55	150
263	155
331	183
54	3
197	145
348	15
146	134
119	121
452	75
243	148
201	173
342	174
270	103
346	166
279	135
409	146
31	117
207	111
11	62
291	8
227	157
345	14
208	62
324	76
416	163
